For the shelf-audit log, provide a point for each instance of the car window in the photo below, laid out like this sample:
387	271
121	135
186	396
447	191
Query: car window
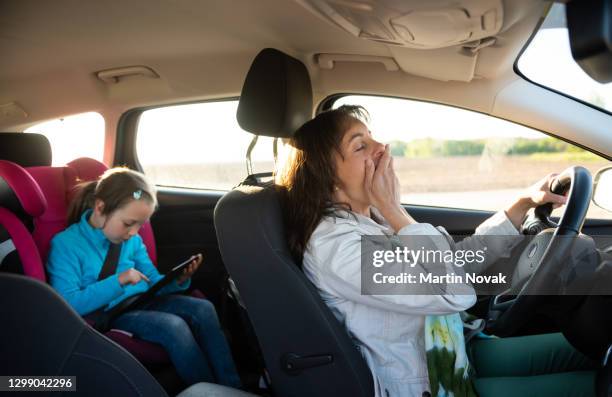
450	157
198	146
71	137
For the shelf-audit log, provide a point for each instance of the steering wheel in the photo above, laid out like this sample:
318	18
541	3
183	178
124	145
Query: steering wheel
545	256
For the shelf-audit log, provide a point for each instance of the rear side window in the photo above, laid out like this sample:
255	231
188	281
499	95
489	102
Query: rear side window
71	137
198	146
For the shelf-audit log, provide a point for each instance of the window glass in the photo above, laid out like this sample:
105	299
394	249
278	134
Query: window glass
451	157
548	61
199	145
71	137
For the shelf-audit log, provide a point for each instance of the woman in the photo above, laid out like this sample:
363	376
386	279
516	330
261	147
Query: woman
339	185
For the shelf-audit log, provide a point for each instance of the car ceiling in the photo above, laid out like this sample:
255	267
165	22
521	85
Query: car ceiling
201	49
51	50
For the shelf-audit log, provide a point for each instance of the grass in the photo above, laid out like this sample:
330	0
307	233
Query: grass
565	156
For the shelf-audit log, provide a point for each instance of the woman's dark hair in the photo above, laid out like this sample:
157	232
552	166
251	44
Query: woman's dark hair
308	178
116	188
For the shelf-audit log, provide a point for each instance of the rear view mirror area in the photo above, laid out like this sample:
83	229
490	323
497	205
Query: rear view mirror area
590	29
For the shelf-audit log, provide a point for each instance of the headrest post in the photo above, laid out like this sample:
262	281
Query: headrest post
249	163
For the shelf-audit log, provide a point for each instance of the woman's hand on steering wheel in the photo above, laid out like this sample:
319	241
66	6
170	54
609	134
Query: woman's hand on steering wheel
537	194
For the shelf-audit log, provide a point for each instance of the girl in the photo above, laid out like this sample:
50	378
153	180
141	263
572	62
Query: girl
339	185
108	212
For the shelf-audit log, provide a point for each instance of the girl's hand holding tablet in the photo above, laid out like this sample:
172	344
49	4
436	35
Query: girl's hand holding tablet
190	269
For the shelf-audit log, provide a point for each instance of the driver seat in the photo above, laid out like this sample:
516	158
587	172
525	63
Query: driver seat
307	352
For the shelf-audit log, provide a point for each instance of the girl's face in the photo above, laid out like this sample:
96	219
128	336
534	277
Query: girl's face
357	146
124	222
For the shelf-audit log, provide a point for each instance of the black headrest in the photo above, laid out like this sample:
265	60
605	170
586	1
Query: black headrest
276	97
27	150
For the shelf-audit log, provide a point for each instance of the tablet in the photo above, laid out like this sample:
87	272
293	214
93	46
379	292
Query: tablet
133	302
169	277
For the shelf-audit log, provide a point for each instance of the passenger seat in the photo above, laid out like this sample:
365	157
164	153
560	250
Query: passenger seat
43	336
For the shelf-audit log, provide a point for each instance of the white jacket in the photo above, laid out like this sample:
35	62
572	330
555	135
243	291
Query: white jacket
389	329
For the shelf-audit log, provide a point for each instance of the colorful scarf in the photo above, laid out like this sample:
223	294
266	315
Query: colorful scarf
447	360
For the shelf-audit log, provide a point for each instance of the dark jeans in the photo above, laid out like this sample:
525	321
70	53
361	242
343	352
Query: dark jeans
189	330
534	365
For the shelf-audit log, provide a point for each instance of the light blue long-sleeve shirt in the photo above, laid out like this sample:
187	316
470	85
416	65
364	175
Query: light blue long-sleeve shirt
75	261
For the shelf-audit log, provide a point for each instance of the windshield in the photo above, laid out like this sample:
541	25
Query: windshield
548	61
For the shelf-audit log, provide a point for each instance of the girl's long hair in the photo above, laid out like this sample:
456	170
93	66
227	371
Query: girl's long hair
308	178
116	187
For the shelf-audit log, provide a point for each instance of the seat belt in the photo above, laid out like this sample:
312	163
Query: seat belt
100	318
110	262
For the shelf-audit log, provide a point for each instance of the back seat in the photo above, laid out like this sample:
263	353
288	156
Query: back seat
21	196
35	202
33	152
58	185
20	199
